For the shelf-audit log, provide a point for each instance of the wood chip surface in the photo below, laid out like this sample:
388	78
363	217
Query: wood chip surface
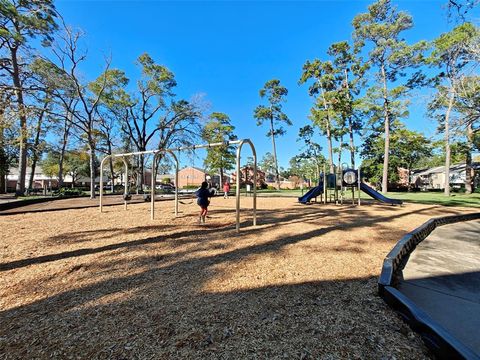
80	284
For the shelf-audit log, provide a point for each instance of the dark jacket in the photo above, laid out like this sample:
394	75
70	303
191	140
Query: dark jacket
202	197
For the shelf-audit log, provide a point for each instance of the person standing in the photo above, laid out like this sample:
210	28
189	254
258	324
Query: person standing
202	200
226	189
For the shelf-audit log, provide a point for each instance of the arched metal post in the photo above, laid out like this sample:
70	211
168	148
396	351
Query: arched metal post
152	195
101	180
152	186
237	193
171	151
125	188
125	191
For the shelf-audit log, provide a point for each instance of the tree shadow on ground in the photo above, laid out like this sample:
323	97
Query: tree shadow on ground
183	303
161	314
269	220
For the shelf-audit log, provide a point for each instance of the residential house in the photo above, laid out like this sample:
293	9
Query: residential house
191	176
40	179
247	173
434	178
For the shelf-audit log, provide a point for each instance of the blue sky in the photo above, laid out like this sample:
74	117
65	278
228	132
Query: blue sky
228	50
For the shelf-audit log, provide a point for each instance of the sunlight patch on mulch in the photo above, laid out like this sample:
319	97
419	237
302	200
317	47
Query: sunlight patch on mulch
80	284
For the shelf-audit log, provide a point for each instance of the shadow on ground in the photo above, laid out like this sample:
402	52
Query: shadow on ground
166	306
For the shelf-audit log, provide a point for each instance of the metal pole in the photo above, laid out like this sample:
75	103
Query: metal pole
254	153
193	147
359	182
152	190
152	200
176	190
342	193
202	146
125	188
325	179
176	179
171	151
101	181
237	192
254	184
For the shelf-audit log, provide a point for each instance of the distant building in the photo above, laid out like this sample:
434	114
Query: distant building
190	176
246	176
403	180
40	179
434	178
193	176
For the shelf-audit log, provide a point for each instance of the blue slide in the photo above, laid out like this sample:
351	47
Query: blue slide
314	192
377	196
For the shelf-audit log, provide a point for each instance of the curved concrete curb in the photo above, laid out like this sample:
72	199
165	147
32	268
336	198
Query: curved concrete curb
438	339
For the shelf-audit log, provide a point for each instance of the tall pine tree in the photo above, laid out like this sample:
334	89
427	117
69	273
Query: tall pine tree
381	31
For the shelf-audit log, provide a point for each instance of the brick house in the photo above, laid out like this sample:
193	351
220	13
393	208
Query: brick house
190	176
247	173
434	178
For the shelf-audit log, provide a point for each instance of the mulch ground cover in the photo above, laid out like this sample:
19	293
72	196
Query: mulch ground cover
80	284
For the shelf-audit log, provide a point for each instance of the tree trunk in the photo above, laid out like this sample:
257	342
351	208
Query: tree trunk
340	147
22	161
112	178
36	143
350	125
447	144
387	134
469	172
329	135
142	170
277	177
66	133
3	155
352	144
91	149
109	145
221	178
409	182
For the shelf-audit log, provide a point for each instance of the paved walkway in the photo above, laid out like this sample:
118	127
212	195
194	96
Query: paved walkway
6	198
442	277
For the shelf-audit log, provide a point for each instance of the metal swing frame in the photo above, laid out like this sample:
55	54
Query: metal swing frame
171	152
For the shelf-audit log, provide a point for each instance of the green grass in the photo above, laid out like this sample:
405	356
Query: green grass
283	193
456	199
31	197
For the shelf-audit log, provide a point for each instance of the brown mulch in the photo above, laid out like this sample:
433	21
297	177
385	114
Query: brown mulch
83	285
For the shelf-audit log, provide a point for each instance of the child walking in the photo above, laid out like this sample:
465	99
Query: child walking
226	189
202	200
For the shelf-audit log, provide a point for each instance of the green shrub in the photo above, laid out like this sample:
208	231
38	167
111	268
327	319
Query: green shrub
69	192
191	187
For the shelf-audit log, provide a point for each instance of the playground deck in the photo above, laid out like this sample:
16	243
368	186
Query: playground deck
442	277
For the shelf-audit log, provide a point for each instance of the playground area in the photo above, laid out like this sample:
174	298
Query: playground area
302	284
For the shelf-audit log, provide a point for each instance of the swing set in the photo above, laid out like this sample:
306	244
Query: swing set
171	152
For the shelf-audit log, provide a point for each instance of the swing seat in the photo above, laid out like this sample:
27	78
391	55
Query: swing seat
147	197
127	197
